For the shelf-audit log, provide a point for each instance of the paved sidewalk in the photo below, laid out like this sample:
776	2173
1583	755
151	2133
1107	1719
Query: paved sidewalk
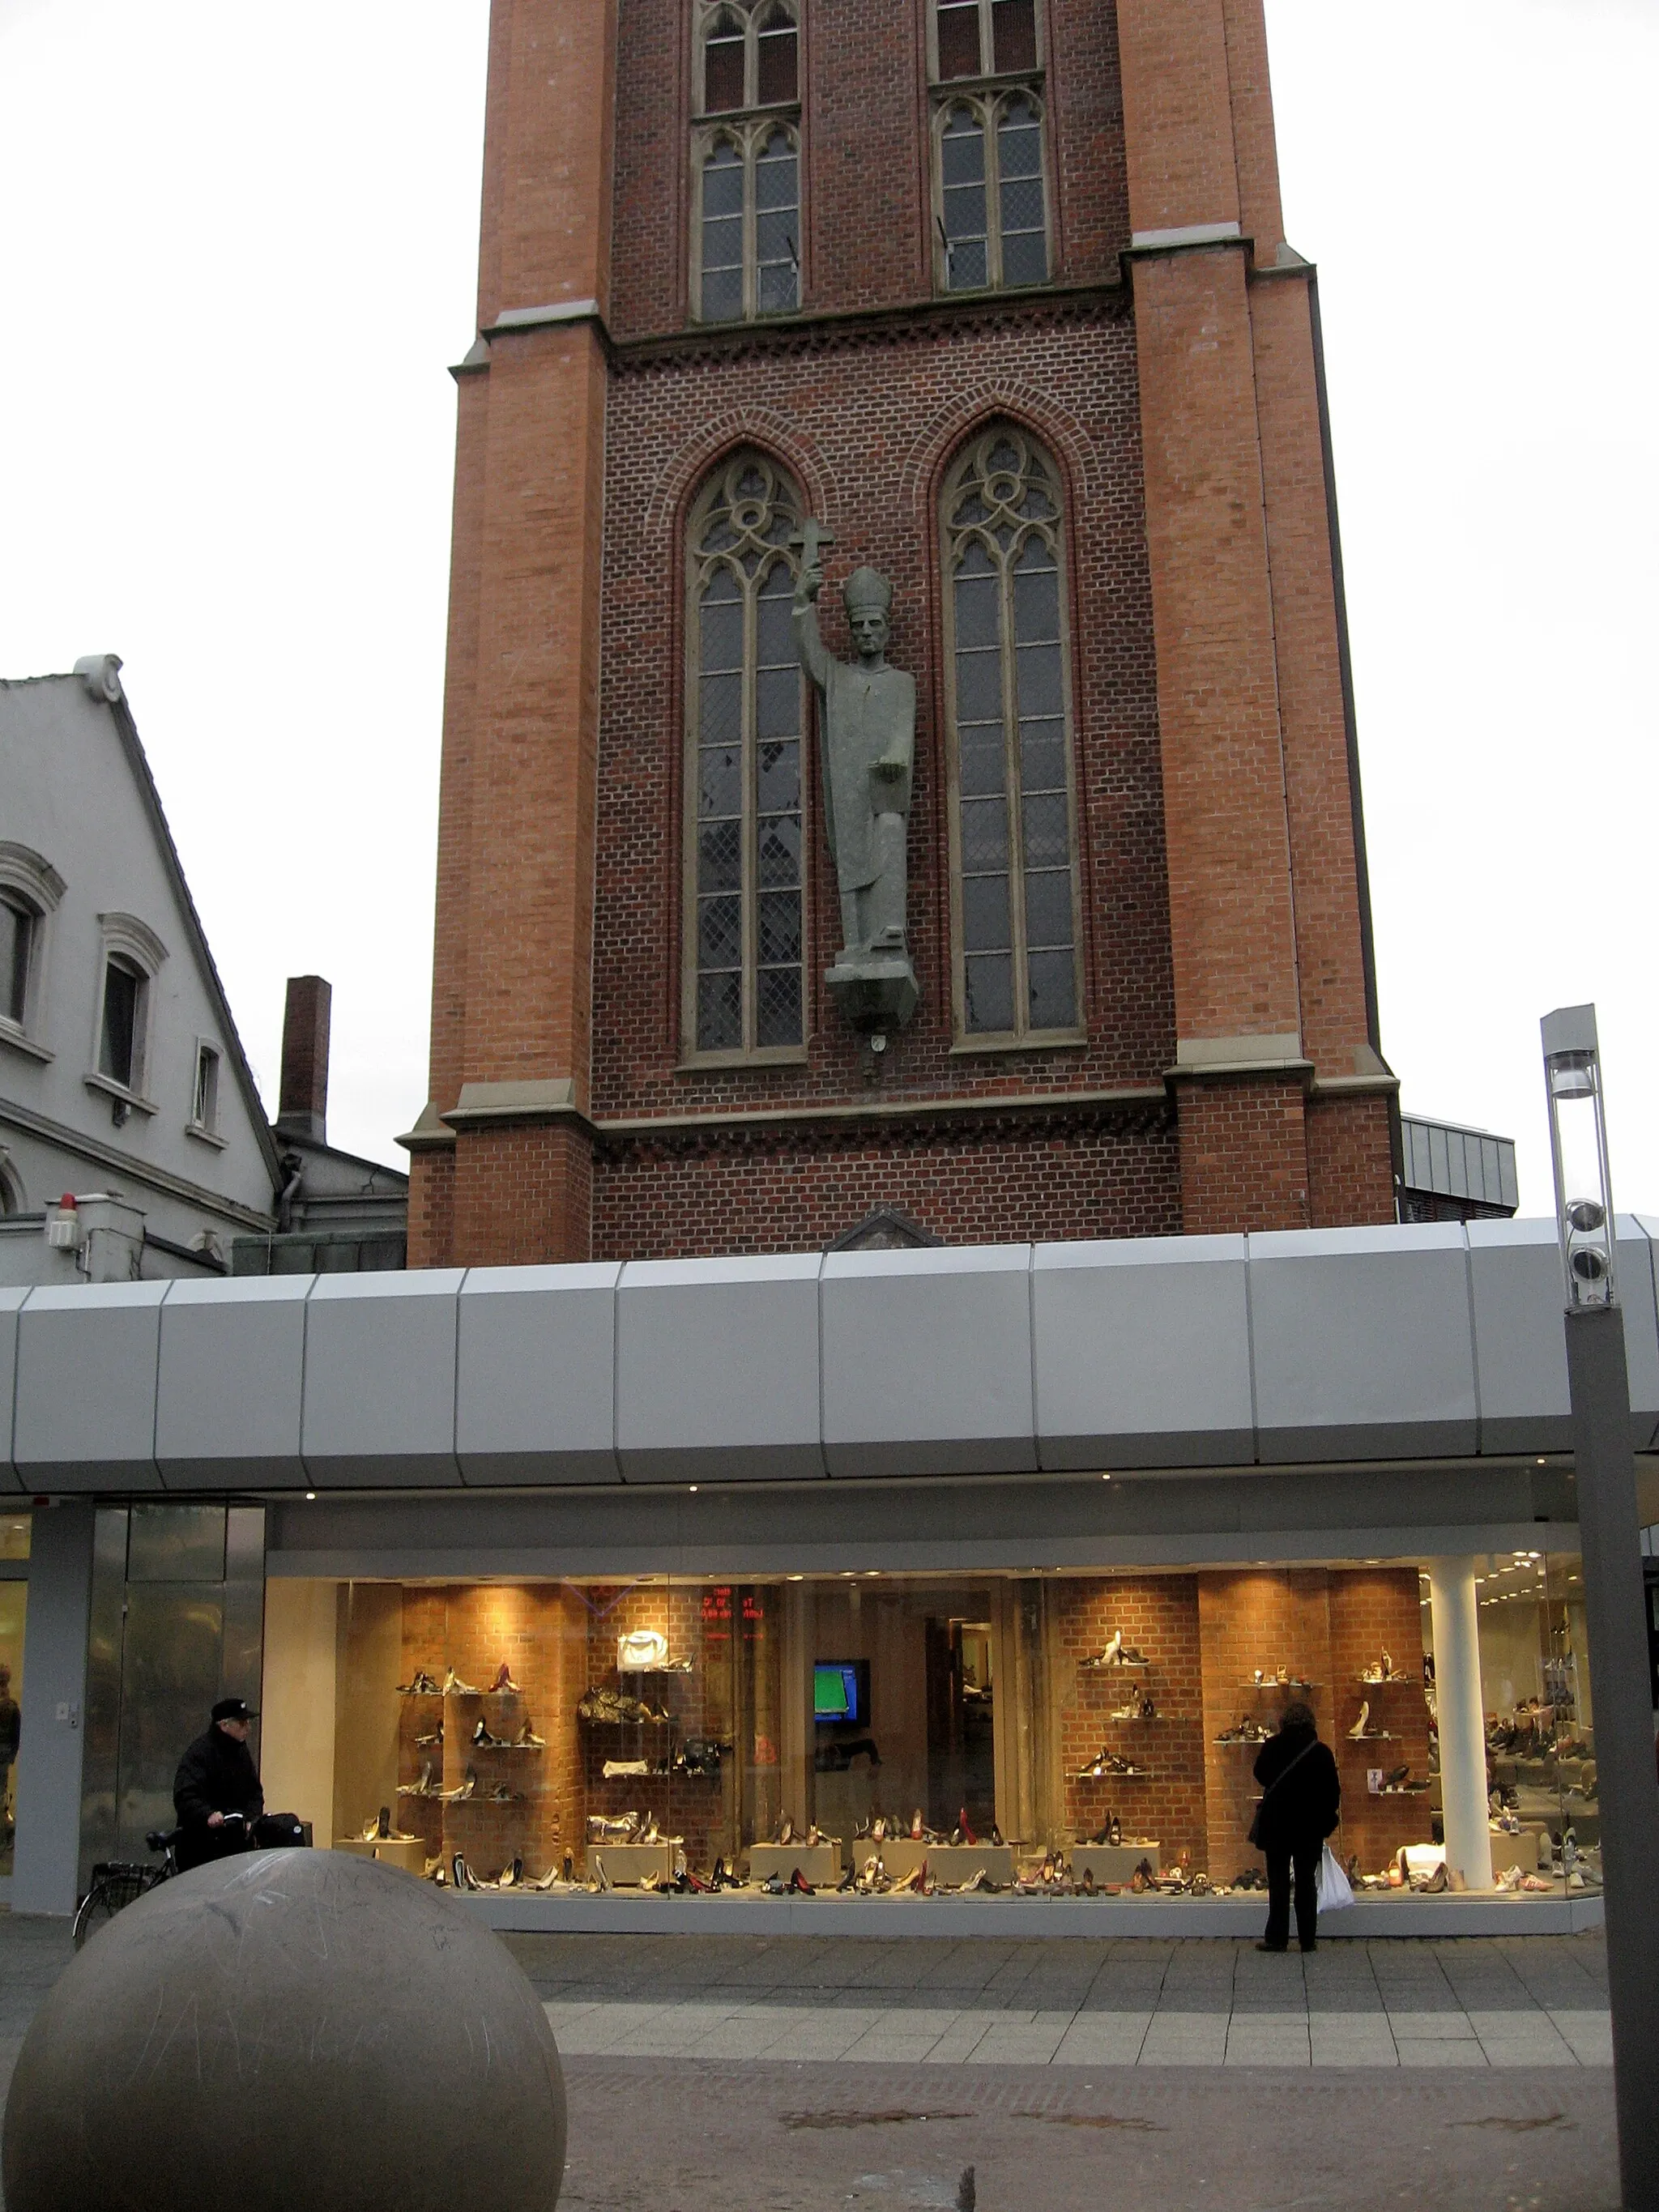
1129	2071
1529	2002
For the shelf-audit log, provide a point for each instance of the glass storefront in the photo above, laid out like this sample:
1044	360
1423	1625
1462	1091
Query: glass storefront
1005	1732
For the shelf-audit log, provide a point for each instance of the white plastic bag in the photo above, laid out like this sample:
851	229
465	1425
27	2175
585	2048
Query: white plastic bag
1333	1885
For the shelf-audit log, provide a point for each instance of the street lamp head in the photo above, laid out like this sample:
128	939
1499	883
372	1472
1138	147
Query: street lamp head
1578	1154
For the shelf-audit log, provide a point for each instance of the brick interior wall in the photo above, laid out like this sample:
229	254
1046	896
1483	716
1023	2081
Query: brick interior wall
1265	1619
686	1806
1373	1609
473	1627
1159	1615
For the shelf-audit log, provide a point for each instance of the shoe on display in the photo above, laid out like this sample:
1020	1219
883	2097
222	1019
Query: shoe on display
432	1737
455	1687
786	1833
511	1877
420	1685
500	1795
383	1824
1361	1723
504	1684
877	1830
1088	1884
916	1825
527	1740
483	1738
1129	1712
625	1769
966	1826
799	1884
1148	1711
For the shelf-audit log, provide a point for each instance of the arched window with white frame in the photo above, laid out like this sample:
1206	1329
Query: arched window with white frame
745	163
1014	874
745	924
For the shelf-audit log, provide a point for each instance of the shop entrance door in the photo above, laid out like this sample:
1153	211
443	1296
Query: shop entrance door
178	1621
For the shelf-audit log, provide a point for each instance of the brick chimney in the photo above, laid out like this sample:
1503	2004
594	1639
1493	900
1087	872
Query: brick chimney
303	1102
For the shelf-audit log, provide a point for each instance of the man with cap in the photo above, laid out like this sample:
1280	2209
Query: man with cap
216	1781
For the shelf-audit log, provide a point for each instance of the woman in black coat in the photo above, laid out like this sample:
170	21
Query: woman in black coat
1301	1803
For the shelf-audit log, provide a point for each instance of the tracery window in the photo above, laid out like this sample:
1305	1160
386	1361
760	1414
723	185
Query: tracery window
745	228
991	201
1013	844
743	962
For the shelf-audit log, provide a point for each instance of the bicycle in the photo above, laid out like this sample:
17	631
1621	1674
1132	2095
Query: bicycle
116	1883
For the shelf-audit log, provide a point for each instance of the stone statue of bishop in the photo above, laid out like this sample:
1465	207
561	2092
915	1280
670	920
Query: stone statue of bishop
867	736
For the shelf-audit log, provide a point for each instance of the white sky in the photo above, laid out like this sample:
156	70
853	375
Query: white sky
237	253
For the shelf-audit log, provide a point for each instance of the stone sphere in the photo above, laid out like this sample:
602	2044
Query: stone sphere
288	2029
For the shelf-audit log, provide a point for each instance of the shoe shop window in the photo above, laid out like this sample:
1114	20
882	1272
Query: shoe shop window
1012	1734
742	942
746	165
1012	809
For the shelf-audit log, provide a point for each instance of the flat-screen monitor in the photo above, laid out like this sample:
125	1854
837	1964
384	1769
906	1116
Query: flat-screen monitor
841	1691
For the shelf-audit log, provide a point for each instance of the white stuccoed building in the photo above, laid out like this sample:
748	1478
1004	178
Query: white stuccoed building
122	1081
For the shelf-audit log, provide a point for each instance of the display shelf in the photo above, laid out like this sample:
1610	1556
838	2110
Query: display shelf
1372	1735
1242	1742
1116	1774
1114	1666
1276	1685
1388	1682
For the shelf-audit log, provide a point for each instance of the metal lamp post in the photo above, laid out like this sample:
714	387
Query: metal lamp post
1614	1602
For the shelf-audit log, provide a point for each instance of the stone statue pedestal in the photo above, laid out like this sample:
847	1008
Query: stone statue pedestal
875	992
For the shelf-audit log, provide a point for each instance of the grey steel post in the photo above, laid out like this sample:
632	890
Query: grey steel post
1615	1610
1615	1604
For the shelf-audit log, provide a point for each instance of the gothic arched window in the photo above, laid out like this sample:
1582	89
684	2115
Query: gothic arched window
1013	843
743	927
745	161
991	204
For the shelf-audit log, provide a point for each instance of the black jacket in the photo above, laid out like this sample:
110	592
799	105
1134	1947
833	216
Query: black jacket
1307	1804
217	1775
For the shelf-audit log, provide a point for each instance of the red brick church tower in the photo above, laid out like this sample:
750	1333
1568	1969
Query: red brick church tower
996	293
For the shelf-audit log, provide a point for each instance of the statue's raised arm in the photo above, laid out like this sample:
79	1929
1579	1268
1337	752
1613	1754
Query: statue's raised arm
867	738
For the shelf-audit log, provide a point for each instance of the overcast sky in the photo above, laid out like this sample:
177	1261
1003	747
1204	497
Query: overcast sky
237	253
